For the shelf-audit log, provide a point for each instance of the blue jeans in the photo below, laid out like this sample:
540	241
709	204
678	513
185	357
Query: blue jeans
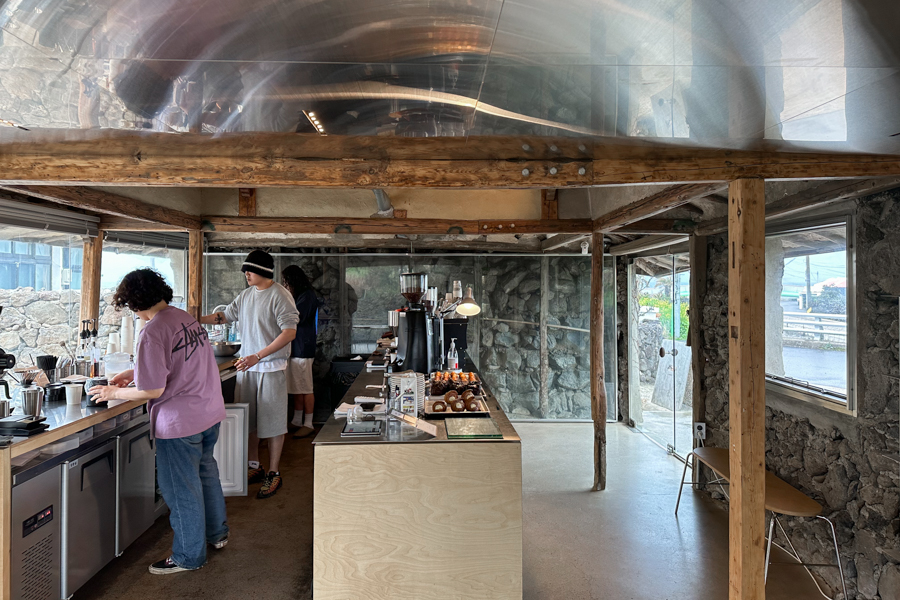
189	481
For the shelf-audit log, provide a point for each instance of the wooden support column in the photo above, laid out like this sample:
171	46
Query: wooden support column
598	381
195	273
246	202
549	205
90	278
698	255
746	380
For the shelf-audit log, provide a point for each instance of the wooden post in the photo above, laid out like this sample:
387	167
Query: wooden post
746	380
90	278
246	202
195	273
5	523
545	351
598	382
698	255
549	205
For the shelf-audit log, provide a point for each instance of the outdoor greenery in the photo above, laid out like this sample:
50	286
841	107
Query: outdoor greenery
664	306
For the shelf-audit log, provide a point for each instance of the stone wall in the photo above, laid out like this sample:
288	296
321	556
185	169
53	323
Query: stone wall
622	340
36	322
849	464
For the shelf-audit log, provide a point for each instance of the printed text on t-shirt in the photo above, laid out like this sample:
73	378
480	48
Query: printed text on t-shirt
191	340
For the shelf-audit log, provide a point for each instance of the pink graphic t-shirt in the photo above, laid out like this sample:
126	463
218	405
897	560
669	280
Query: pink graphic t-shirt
173	352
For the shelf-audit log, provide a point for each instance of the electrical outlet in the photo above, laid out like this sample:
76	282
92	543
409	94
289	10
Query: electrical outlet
700	431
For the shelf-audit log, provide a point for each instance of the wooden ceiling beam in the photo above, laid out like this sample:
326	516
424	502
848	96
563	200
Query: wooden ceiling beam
663	200
290	159
820	195
330	225
658	227
108	204
562	240
247	202
355	241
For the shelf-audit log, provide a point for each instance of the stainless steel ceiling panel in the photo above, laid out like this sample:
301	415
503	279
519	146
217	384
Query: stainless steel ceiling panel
717	73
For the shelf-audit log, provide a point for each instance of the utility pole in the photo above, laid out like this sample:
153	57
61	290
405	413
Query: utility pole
808	287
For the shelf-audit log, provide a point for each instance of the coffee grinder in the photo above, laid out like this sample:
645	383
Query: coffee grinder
415	347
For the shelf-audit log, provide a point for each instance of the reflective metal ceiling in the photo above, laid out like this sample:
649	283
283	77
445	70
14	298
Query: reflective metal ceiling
809	74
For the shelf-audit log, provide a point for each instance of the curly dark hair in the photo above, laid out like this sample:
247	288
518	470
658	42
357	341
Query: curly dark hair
142	289
295	280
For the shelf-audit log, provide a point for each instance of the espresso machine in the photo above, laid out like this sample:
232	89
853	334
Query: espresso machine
417	345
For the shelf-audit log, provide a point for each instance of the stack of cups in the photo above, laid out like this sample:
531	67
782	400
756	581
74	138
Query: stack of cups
73	393
126	335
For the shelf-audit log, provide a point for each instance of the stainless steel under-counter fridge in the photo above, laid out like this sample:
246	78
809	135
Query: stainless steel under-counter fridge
35	544
137	485
89	509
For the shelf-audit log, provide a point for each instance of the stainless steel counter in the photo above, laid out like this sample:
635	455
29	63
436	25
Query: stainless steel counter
398	433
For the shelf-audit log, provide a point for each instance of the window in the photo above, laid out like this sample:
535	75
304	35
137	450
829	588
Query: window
42	277
21	248
26	275
42	250
809	314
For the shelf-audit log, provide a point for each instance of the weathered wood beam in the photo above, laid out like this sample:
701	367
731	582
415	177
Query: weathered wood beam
562	240
747	385
246	202
391	226
290	159
122	224
820	195
663	200
658	227
195	273
549	205
598	380
90	278
107	203
356	241
699	253
650	242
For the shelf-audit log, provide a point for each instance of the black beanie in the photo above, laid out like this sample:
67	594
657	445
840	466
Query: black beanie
261	263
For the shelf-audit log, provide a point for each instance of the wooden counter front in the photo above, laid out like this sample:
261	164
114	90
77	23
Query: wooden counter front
419	520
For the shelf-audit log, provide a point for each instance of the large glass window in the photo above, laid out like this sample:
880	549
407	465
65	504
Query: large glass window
41	307
809	300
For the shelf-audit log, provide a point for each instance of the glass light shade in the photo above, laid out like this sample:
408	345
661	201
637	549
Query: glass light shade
468	306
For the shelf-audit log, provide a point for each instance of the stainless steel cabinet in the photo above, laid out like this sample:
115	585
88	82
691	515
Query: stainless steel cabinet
89	509
137	485
35	536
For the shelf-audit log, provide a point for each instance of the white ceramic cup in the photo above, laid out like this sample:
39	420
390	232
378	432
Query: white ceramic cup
73	393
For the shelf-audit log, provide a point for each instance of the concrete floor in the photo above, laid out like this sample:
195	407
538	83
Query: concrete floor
624	543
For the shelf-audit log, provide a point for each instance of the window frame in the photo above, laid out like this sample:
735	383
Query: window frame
814	395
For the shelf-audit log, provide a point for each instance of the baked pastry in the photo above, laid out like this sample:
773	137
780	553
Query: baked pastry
467	394
439	406
457	405
451	395
472	404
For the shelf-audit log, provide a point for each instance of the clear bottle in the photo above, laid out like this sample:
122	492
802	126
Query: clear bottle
452	356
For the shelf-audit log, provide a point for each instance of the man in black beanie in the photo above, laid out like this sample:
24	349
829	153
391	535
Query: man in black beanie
267	319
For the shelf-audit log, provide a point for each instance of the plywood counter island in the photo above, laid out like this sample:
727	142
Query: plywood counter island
412	516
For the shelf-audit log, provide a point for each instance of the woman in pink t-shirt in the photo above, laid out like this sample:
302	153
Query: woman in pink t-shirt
176	372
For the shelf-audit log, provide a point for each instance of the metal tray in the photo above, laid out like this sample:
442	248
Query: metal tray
450	414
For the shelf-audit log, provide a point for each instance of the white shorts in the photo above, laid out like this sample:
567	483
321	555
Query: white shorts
299	376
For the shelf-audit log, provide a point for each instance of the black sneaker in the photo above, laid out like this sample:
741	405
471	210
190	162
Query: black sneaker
271	485
164	567
255	475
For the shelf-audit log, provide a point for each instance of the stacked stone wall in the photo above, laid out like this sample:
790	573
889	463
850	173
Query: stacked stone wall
851	465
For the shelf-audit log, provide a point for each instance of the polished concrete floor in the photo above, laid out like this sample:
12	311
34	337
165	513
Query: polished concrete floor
623	543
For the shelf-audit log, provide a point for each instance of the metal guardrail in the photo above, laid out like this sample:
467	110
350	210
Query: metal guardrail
817	325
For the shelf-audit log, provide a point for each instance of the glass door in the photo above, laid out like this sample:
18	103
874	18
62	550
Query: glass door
660	389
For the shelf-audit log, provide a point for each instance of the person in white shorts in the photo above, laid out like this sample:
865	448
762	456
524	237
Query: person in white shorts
267	320
303	349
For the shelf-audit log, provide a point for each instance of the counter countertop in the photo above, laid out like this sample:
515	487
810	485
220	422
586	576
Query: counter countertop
397	432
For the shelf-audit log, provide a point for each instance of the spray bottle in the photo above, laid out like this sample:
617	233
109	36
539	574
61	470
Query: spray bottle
452	357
